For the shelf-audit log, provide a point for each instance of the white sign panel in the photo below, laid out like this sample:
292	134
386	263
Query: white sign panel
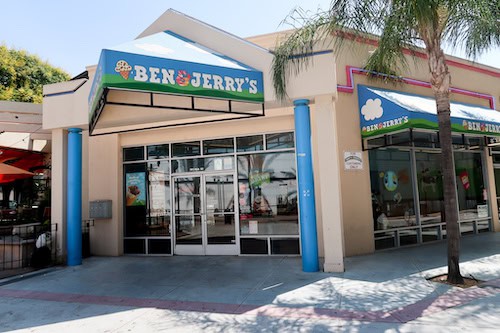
157	193
482	210
218	164
253	227
228	163
353	160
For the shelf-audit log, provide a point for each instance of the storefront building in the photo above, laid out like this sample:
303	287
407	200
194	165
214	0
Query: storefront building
186	151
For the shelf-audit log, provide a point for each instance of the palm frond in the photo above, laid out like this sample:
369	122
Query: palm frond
473	25
400	23
344	16
332	28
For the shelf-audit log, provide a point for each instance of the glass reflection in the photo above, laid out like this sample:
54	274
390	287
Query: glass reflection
472	194
133	154
430	187
188	229
218	146
187	195
267	191
159	198
250	143
158	151
220	229
280	140
186	149
219	193
220	209
392	189
225	163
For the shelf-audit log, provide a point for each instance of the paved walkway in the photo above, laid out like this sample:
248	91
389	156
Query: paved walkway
384	292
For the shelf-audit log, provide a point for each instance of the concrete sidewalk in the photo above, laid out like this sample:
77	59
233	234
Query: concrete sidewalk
383	292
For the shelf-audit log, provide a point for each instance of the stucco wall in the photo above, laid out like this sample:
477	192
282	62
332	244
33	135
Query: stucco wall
355	185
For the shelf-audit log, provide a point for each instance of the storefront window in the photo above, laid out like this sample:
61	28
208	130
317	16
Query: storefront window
279	140
268	194
158	152
135	194
430	187
133	154
250	143
472	193
186	149
425	139
203	164
392	172
267	197
159	203
218	146
392	189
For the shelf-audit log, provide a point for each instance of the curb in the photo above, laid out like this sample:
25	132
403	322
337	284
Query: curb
25	276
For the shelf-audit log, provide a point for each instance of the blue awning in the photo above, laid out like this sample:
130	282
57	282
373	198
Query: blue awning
166	63
384	111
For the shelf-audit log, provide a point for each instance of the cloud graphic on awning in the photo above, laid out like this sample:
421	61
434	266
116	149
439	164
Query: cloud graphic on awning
372	109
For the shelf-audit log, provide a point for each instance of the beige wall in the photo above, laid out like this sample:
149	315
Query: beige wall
69	107
105	183
355	185
58	188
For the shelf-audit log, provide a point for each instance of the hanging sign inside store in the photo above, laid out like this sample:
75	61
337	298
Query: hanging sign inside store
353	160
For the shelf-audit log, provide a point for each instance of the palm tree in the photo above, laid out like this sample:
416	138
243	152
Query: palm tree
400	24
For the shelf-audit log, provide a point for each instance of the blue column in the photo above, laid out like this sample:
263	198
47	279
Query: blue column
307	205
74	197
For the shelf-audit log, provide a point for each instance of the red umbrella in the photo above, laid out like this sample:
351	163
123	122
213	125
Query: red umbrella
6	169
19	162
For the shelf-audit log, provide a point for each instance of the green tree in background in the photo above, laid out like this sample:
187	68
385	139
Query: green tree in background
23	75
472	24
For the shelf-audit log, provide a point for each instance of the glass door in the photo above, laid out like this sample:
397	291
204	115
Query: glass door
204	215
188	216
220	215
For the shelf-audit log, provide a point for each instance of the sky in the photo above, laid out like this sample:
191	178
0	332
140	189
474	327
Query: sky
71	34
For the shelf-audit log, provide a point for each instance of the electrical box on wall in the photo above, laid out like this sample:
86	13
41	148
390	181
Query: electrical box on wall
100	209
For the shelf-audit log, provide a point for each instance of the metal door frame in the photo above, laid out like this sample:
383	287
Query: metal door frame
204	248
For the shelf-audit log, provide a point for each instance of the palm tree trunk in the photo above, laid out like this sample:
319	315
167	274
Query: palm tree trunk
440	80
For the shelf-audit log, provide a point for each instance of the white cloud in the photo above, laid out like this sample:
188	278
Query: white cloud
154	48
372	109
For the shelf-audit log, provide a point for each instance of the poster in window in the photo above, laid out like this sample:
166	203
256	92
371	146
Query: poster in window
157	193
135	187
257	178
